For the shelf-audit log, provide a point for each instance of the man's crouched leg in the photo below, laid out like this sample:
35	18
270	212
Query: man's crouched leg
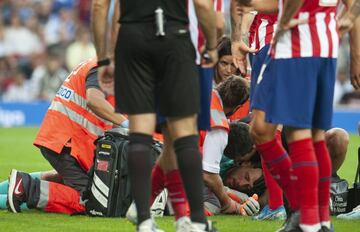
48	196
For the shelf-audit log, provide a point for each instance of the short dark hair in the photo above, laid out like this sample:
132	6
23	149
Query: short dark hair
234	91
224	47
239	140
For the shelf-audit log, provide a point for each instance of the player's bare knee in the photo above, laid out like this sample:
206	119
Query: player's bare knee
337	137
142	123
181	127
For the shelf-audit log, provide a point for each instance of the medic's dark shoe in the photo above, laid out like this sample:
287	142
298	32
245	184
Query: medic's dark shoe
18	181
292	223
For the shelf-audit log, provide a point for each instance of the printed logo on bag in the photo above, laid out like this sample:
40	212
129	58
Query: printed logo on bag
93	212
107	146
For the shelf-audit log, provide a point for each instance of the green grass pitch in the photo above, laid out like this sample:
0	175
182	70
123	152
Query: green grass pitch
17	151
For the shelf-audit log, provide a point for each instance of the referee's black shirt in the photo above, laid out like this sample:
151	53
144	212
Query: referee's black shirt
138	11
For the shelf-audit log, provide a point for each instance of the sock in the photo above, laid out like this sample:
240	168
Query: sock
310	228
36	175
306	169
4	186
3	199
324	161
177	194
157	182
279	165
190	167
139	166
275	194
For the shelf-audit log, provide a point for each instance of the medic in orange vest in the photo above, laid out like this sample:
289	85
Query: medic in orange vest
228	96
78	114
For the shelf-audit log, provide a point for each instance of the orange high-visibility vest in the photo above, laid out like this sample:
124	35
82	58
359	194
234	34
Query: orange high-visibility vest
217	117
242	112
69	122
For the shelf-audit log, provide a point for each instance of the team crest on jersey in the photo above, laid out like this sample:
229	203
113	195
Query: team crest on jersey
65	93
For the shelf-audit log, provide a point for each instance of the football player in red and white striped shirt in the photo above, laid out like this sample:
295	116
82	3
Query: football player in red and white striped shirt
298	83
260	36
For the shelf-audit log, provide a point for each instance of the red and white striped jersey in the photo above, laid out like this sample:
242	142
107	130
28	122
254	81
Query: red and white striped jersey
197	36
262	30
317	38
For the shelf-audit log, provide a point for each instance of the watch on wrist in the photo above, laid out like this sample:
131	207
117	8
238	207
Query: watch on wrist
103	62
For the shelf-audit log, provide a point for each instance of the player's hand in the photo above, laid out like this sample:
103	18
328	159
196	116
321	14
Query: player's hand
345	24
237	196
231	208
209	57
239	50
355	72
250	207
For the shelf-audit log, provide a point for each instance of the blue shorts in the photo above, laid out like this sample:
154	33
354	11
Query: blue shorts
257	61
206	80
299	92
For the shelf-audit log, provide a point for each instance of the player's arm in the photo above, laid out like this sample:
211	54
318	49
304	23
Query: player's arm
354	10
240	26
214	145
99	26
286	20
115	26
355	54
346	24
96	101
220	24
206	16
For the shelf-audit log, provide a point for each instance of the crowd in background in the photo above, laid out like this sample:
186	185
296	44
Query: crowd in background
42	40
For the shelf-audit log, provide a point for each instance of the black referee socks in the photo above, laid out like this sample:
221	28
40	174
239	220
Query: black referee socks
189	161
139	166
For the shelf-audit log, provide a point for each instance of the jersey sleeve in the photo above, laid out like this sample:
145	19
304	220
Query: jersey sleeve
219	6
213	149
92	80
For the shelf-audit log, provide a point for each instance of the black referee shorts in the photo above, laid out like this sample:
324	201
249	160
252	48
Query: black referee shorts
156	74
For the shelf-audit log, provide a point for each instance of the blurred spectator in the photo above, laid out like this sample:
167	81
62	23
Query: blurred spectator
60	27
342	85
2	41
19	40
5	76
84	10
47	79
80	50
43	10
19	90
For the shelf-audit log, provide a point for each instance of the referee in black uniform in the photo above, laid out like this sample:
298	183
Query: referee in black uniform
155	71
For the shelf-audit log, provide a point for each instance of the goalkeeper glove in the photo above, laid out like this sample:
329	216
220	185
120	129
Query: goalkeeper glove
250	207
